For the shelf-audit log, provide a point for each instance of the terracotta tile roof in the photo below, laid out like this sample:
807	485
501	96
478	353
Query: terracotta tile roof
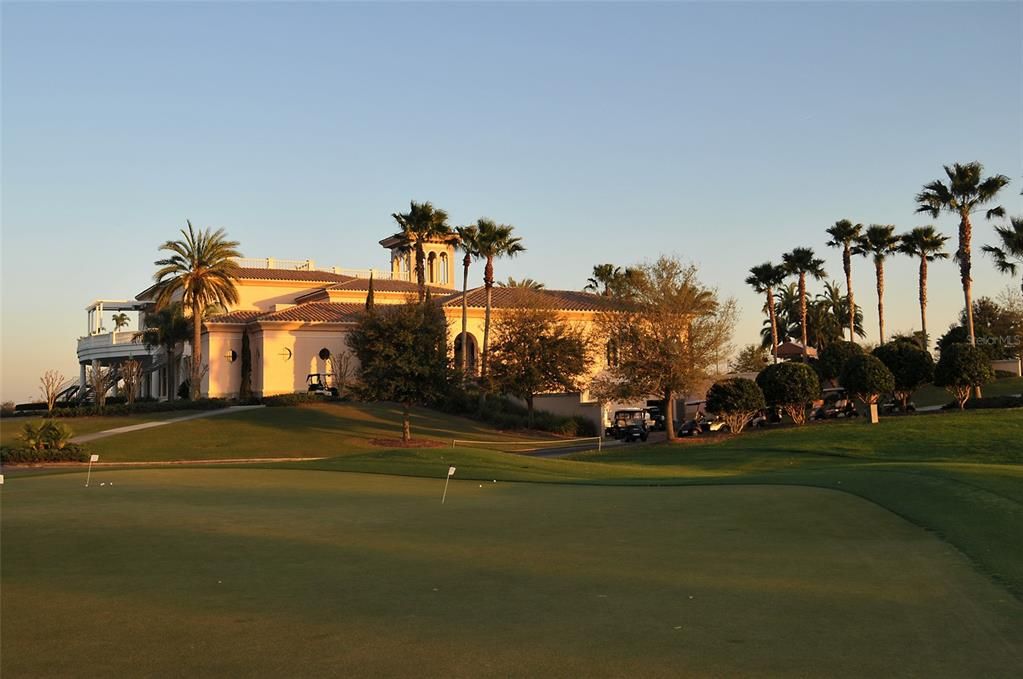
503	298
236	317
316	312
387	285
290	275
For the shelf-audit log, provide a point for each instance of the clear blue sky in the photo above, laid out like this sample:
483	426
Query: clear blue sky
724	133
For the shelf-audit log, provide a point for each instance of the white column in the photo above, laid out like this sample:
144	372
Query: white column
81	375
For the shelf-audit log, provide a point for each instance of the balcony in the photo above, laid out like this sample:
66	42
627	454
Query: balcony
111	346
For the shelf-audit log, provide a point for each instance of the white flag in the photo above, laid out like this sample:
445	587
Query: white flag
94	458
451	471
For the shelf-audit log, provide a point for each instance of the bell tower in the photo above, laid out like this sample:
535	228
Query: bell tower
439	263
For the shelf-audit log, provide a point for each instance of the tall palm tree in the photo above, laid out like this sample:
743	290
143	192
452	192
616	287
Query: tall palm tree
764	278
120	321
1012	247
878	241
604	276
843	235
964	194
527	283
467	237
165	328
802	262
420	224
201	271
927	244
839	308
493	240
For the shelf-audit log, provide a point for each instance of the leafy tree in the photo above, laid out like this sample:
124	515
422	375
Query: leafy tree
911	366
998	327
793	387
878	242
958	334
200	272
802	262
844	234
493	240
166	328
929	245
668	336
120	321
537	351
737	401
834	357
764	278
467	243
750	359
402	354
964	194
961	369
867	378
419	225
1011	247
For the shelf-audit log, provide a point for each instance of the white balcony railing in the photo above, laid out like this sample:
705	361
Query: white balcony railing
307	265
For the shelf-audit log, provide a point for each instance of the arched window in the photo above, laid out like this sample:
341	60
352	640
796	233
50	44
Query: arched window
431	267
444	268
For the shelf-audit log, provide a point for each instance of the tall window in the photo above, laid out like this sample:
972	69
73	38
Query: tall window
443	268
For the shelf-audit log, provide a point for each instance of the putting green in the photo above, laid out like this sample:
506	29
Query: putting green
259	572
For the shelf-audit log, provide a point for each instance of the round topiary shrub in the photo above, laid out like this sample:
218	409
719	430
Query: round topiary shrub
866	378
793	387
961	368
737	401
834	356
911	366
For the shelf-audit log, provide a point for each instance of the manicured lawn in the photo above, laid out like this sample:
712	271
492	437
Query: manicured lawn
930	395
10	427
276	572
319	430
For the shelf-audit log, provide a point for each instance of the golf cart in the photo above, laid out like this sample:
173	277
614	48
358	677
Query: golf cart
836	404
318	384
630	424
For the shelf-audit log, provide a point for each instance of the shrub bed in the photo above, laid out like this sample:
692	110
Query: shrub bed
987	402
69	453
142	407
502	413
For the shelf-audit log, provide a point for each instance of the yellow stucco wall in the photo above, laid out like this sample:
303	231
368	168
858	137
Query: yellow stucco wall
263	295
223	379
287	355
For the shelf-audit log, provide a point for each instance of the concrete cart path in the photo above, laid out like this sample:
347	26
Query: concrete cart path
85	438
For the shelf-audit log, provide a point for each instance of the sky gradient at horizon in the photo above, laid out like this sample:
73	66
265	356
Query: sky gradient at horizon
725	134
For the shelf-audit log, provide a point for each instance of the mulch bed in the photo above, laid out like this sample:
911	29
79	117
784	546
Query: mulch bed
414	443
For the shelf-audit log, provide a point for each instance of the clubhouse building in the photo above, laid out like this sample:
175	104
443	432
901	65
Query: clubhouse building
296	317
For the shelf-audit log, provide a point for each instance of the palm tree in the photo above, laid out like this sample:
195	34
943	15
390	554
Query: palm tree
467	237
802	262
843	235
420	224
927	244
604	275
878	241
839	308
764	278
493	240
120	321
165	328
201	272
964	194
1012	246
526	283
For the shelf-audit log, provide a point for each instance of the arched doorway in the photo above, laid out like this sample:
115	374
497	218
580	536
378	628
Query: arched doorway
471	357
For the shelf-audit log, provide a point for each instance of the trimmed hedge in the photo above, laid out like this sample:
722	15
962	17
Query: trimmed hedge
502	413
69	453
142	407
282	400
987	402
